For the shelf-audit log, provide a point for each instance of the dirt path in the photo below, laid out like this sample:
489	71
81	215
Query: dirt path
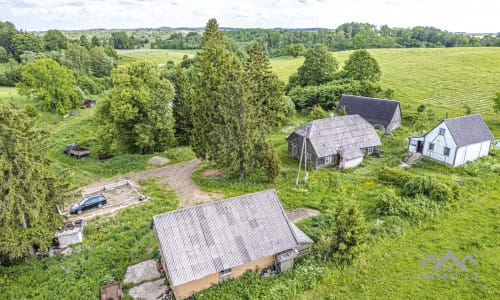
299	214
176	177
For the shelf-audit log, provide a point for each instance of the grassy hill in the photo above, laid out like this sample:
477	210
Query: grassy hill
156	56
391	267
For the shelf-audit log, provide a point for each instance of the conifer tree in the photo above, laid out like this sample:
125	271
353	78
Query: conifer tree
182	107
30	190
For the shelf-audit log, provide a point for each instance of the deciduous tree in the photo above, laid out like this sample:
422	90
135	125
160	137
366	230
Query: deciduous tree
51	85
182	107
362	66
136	117
55	40
319	67
30	190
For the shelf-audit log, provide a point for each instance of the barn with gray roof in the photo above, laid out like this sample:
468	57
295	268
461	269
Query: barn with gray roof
454	141
382	113
209	243
338	141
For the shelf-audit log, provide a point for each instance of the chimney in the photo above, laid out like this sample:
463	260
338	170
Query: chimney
331	116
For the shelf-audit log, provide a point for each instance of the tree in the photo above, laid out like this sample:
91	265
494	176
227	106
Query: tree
22	42
228	127
7	32
136	117
295	50
120	40
55	40
319	67
51	84
496	102
100	63
266	89
182	107
317	112
362	66
78	58
84	41
95	42
30	190
348	234
4	56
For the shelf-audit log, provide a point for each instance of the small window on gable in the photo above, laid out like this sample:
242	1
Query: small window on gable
446	151
442	131
431	147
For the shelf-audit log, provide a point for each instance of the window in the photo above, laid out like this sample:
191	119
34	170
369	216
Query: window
294	149
328	159
225	275
308	157
446	151
431	147
442	131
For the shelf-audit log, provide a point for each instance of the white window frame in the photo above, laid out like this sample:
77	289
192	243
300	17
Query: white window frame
442	131
225	274
328	159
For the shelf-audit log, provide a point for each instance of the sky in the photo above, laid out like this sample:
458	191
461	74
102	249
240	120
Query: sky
473	16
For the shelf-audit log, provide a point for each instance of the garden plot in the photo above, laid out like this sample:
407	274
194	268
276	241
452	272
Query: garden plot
119	194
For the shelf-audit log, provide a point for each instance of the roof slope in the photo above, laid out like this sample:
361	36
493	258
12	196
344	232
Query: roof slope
374	110
468	130
206	239
330	135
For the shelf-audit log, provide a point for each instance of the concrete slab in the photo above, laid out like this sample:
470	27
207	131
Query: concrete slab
148	290
144	271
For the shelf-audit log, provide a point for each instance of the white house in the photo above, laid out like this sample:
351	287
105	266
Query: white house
454	141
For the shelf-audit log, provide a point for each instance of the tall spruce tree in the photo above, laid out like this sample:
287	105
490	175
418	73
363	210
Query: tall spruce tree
182	107
30	190
229	126
266	89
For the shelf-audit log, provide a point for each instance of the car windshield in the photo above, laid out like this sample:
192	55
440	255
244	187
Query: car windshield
83	201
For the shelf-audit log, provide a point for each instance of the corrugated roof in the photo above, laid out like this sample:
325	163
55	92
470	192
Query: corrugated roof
208	238
374	110
468	130
328	136
302	238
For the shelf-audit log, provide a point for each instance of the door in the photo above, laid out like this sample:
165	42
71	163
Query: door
336	161
420	146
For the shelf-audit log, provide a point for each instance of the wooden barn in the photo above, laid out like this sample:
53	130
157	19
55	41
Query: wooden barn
338	141
454	141
381	113
209	243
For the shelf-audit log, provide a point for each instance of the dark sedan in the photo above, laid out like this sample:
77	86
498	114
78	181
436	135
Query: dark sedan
87	203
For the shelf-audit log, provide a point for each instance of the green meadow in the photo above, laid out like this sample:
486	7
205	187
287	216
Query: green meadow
157	56
442	79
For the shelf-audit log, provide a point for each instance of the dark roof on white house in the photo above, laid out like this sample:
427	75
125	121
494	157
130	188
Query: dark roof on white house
328	136
467	130
374	110
208	238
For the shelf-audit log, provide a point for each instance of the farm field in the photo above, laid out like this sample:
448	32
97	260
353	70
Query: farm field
391	267
157	56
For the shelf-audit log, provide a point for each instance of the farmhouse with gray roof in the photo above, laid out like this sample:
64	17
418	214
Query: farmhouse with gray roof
379	112
209	243
454	141
338	141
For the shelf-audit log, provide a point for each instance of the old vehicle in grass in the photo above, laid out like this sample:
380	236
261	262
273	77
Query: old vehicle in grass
88	103
74	149
87	203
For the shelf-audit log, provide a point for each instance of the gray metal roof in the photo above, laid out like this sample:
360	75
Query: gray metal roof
208	238
374	110
302	238
328	136
468	130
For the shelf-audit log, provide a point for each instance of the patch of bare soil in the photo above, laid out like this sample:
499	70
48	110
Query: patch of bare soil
298	214
213	173
158	161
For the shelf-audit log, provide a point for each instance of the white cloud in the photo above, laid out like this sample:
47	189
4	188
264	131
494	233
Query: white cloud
470	16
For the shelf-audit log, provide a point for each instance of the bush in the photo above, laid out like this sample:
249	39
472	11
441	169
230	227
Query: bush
389	226
30	110
398	176
425	186
415	209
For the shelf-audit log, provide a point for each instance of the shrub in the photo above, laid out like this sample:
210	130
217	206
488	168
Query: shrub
30	110
413	209
424	186
397	176
388	226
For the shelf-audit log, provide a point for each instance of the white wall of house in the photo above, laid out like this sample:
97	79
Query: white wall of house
435	144
413	142
345	164
472	152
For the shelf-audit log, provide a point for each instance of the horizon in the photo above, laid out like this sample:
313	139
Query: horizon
80	15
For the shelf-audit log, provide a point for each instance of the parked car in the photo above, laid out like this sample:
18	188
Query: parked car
87	203
74	149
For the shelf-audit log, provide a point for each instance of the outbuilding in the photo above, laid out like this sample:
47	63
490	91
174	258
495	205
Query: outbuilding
454	141
381	113
338	141
209	243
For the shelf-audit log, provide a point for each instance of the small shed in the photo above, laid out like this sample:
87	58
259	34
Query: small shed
454	141
338	141
69	234
381	113
207	244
